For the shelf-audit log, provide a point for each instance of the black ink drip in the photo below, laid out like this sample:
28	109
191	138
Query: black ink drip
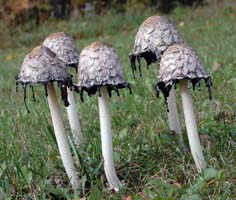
109	91
132	64
33	95
139	65
160	86
64	94
99	91
24	92
17	84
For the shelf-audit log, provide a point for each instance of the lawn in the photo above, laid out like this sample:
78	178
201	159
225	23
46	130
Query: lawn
147	156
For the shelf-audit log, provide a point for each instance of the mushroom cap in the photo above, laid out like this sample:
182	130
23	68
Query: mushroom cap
154	35
64	47
100	66
180	62
41	65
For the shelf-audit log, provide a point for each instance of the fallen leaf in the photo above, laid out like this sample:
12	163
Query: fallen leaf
127	198
181	24
216	66
9	57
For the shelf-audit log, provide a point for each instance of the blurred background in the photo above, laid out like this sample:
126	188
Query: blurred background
25	16
15	12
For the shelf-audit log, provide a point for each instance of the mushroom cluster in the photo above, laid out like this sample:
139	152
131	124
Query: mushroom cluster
46	64
158	40
154	36
99	70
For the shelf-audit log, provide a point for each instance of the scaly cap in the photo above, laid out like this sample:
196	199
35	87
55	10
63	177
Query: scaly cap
64	47
42	66
180	62
100	66
154	35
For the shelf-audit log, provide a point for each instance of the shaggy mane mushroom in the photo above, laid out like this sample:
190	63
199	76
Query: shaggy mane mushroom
180	64
154	36
100	71
64	47
41	66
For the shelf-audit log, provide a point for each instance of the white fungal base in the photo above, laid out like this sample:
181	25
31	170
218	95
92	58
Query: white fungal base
61	137
73	119
173	118
106	140
191	126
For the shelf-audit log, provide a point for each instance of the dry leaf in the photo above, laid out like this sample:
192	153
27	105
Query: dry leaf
181	24
216	66
127	198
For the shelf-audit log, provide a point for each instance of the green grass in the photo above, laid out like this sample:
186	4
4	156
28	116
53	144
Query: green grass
147	156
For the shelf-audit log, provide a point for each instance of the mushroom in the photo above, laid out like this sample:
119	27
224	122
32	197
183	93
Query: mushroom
64	47
154	36
100	70
41	66
180	64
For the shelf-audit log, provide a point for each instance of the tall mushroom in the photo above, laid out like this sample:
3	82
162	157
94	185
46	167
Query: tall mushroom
154	36
64	47
41	66
180	64
100	70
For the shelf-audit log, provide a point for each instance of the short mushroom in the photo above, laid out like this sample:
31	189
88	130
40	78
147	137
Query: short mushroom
154	36
41	66
180	64
64	47
100	70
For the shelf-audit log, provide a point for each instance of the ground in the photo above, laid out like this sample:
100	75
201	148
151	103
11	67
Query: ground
147	155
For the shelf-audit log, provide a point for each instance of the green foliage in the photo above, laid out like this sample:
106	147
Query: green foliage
148	158
95	193
180	13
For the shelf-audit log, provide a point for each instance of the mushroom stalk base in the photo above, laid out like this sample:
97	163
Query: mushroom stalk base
61	138
73	119
191	126
173	118
106	140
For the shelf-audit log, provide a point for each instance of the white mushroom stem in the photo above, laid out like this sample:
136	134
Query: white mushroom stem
191	126
173	117
73	119
106	140
61	137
